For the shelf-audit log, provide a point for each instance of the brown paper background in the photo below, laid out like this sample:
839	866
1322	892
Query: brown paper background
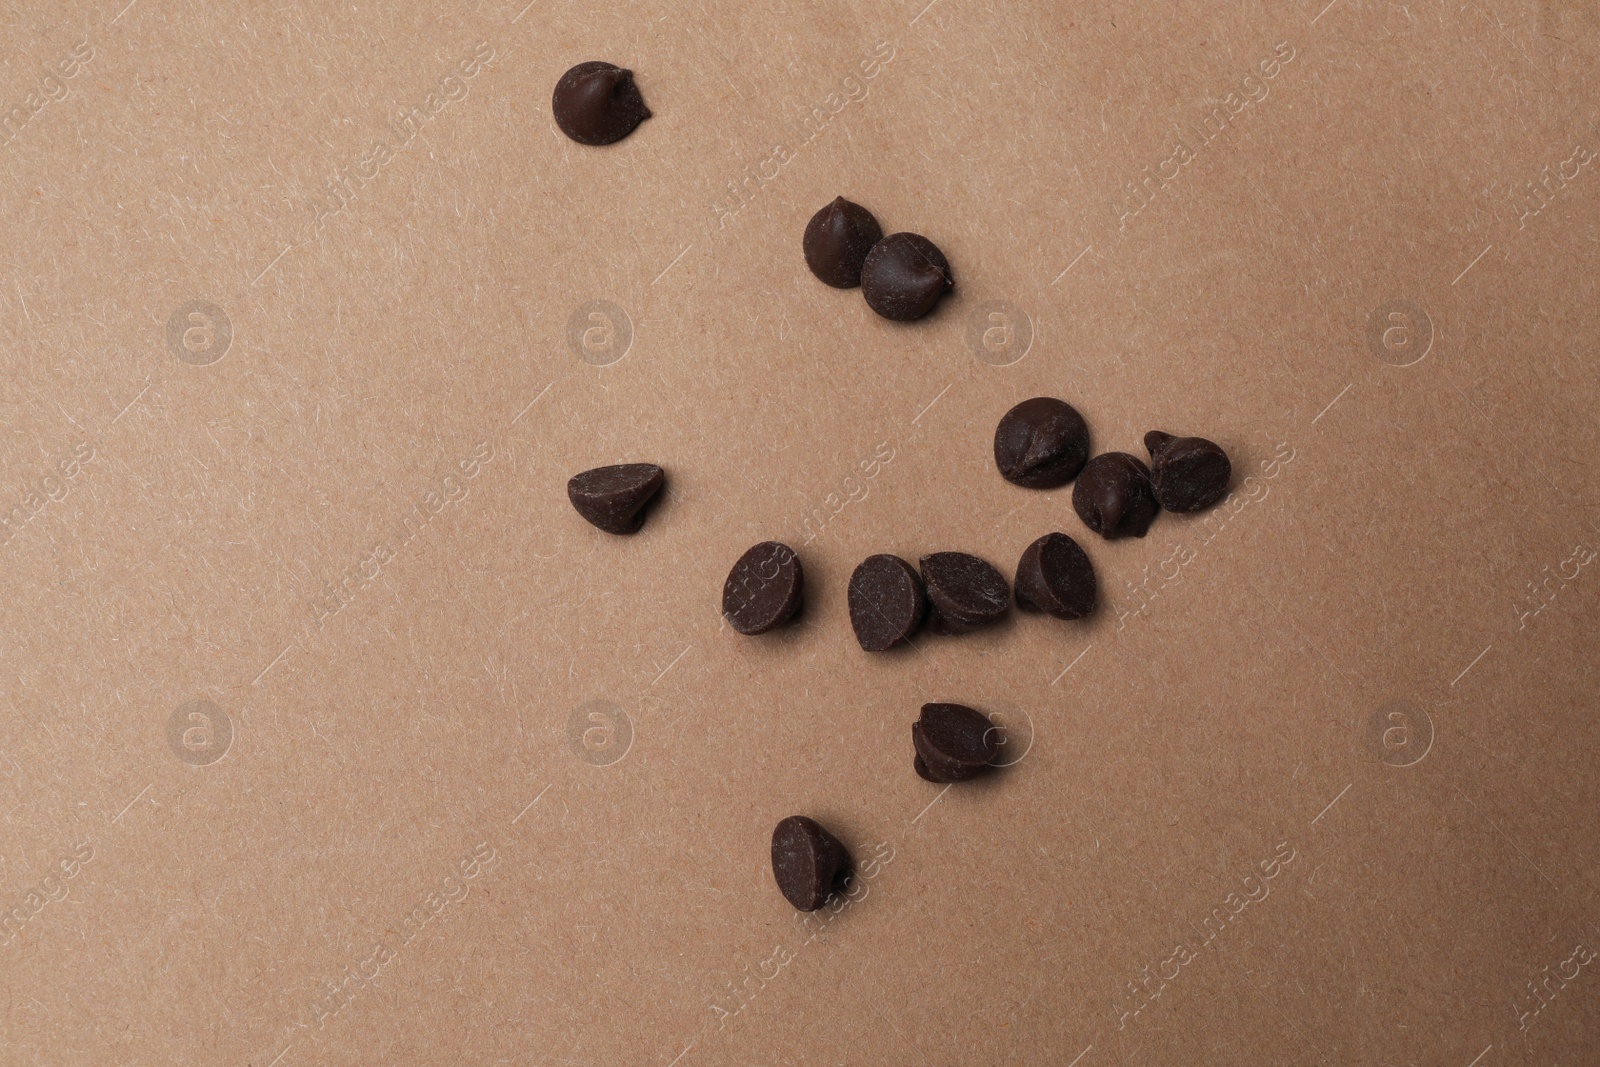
1392	532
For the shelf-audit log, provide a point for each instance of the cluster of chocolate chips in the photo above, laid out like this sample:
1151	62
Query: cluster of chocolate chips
903	276
1043	443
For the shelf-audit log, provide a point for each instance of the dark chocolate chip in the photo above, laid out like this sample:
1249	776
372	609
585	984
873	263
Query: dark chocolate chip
598	103
953	742
964	592
1056	577
837	241
1187	473
922	768
1041	443
1113	496
763	590
616	498
904	276
808	863
887	602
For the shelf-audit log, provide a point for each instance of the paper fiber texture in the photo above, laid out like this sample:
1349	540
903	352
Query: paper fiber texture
334	736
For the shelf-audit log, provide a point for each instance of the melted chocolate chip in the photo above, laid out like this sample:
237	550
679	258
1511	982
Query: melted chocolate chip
964	592
616	498
1113	496
598	103
764	588
1187	473
1041	443
837	241
887	602
1056	577
904	276
808	863
953	743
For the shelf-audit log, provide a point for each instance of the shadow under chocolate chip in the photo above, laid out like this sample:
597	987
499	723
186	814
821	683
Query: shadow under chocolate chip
597	103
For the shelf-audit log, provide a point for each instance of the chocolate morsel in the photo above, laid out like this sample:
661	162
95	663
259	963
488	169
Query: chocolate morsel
1041	443
616	498
598	103
1113	496
837	241
904	276
1187	473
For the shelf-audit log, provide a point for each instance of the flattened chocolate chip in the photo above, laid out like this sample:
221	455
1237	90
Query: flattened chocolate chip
837	241
1041	443
598	103
808	863
887	602
953	742
904	276
616	498
1187	473
964	592
764	588
1055	576
1113	496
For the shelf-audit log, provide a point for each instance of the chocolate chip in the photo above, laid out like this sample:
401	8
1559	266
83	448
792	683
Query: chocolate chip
598	103
837	241
763	590
887	602
904	276
615	498
1041	443
1056	577
953	742
964	592
808	863
1113	496
1187	473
